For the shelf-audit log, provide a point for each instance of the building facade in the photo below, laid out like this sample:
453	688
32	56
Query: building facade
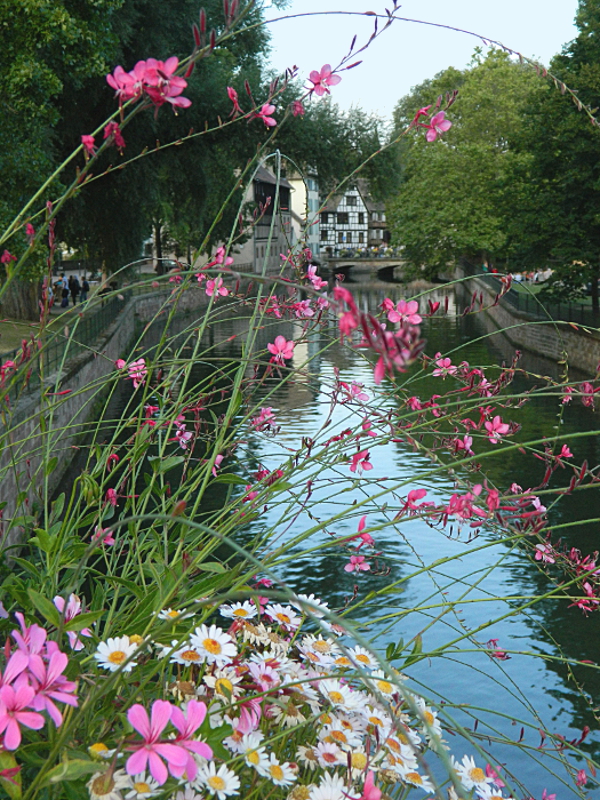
353	223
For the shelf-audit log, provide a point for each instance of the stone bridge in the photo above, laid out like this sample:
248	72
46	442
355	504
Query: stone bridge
385	268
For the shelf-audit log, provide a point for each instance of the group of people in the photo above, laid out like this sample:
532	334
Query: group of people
71	287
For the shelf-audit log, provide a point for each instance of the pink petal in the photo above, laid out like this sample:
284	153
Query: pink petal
157	768
12	737
138	719
137	762
161	714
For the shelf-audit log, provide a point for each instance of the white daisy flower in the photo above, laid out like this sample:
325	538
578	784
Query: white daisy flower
186	656
277	773
142	786
342	662
380	683
104	786
332	787
416	779
307	756
429	716
310	605
339	735
470	775
222	782
214	645
329	755
187	794
491	793
113	653
288	714
172	614
377	719
255	753
245	610
363	658
285	616
224	682
99	750
340	694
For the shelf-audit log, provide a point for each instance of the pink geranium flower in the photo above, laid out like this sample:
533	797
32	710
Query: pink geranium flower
187	724
162	85
496	429
51	685
437	126
151	751
137	372
323	79
360	461
72	608
281	349
215	287
264	114
13	703
357	564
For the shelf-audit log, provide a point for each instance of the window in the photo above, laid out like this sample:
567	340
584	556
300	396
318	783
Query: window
324	235
374	216
342	217
383	216
350	200
325	217
340	238
349	237
361	238
361	218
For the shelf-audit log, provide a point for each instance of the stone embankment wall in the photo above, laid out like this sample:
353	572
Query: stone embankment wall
557	341
26	451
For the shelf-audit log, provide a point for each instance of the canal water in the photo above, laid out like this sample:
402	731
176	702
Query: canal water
479	579
476	579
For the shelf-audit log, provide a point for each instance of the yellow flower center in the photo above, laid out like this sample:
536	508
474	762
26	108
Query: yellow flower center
283	618
141	786
414	777
384	687
253	757
190	655
339	736
240	612
172	614
375	721
321	646
428	717
326	719
345	724
363	659
313	657
359	761
342	661
276	772
477	775
331	758
224	686
136	639
393	745
216	782
98	749
336	697
212	646
117	657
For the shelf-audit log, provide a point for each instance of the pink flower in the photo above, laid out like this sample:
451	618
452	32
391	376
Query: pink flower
365	538
444	366
323	80
137	372
7	257
100	536
111	497
582	778
405	311
357	564
88	143
496	429
30	232
311	274
370	791
437	126
281	349
215	287
162	85
152	750
217	464
264	113
72	608
128	85
265	421
183	436
50	685
233	96
187	725
543	552
297	108
113	132
360	461
12	714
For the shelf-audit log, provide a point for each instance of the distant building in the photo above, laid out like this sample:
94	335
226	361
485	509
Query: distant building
353	221
305	208
271	232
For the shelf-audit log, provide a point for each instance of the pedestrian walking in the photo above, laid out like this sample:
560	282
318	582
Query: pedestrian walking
74	288
85	287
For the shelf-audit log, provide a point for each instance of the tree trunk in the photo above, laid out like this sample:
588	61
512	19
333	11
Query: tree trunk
158	248
21	301
595	276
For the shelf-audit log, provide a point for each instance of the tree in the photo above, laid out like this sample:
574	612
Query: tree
558	220
453	196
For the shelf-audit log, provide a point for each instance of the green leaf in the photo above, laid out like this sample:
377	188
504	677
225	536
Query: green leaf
27	566
162	465
417	650
51	465
212	566
46	607
11	786
229	477
82	620
71	770
43	540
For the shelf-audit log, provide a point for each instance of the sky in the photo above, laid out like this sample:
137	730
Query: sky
408	53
